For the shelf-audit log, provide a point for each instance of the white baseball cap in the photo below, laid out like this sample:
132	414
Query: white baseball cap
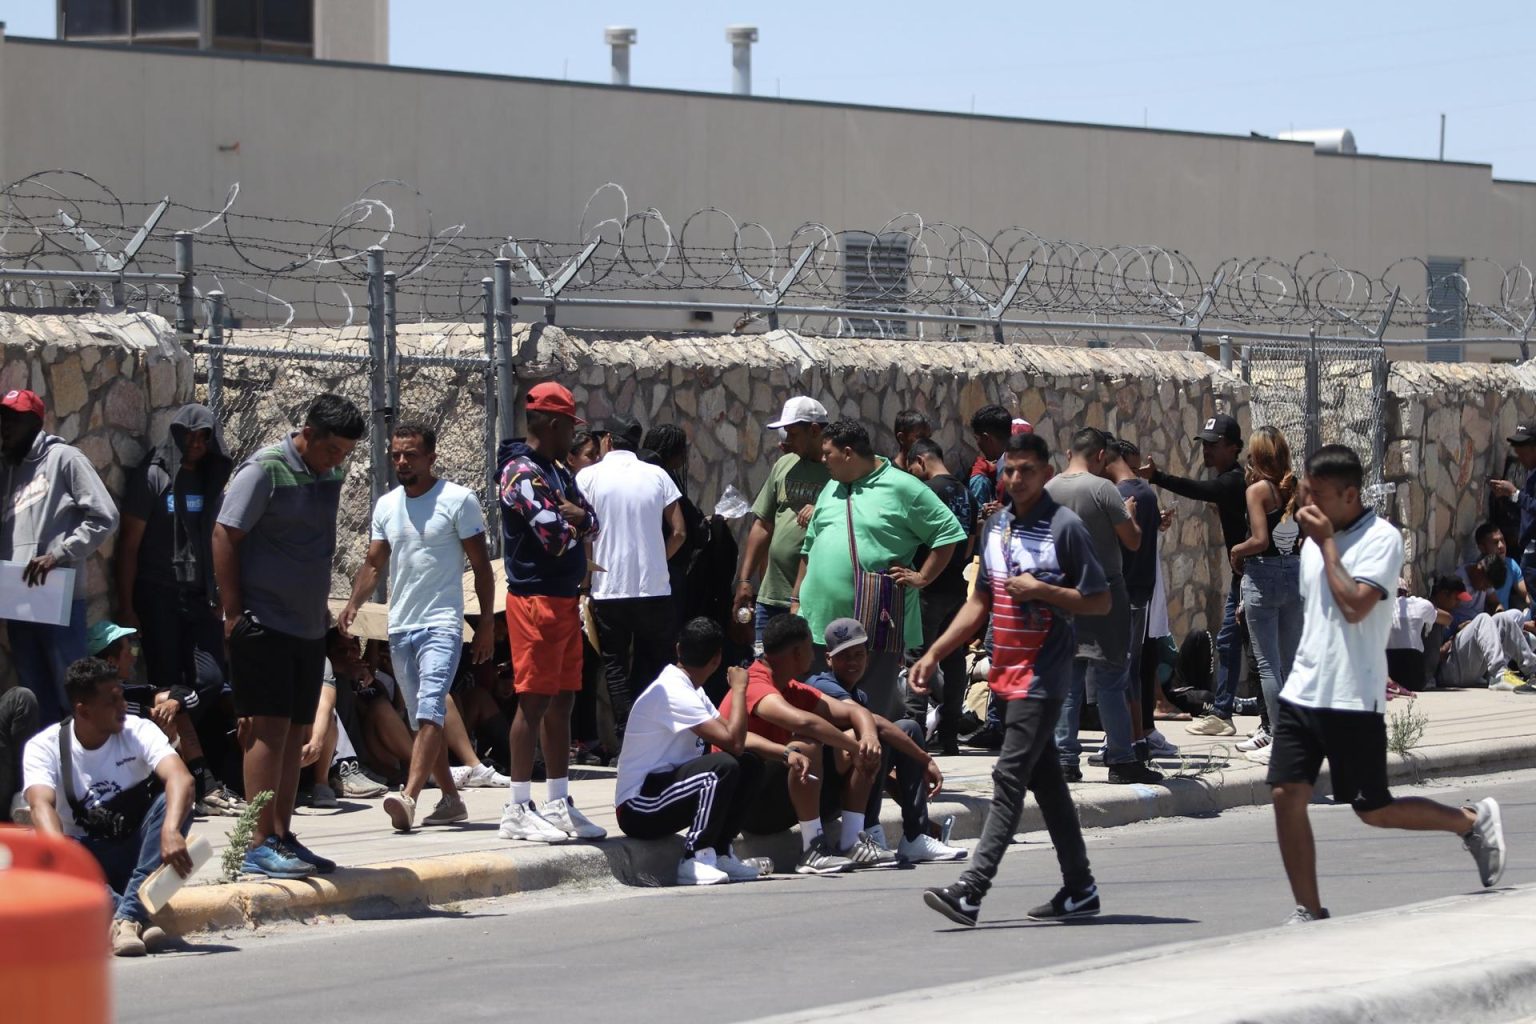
800	410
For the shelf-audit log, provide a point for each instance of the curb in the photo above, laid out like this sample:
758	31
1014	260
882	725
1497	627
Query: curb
416	885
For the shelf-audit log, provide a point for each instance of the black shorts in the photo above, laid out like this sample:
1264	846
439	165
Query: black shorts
1354	742
772	811
275	675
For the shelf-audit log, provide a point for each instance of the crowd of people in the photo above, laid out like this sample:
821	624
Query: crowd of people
883	611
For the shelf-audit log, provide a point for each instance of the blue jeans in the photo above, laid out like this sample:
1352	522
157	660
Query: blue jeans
128	861
1229	654
43	655
425	662
1272	607
766	613
1111	689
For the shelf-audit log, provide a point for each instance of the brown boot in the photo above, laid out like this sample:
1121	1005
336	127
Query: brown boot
126	938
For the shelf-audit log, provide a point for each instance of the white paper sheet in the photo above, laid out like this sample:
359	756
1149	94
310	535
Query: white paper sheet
48	604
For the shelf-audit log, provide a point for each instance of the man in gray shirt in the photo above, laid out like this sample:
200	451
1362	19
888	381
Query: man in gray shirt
272	551
1103	642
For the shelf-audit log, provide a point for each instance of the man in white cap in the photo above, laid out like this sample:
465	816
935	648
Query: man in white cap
783	508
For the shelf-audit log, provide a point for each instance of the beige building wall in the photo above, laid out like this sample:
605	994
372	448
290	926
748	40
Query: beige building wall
352	30
521	157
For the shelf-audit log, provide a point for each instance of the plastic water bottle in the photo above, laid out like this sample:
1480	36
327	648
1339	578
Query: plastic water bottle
743	615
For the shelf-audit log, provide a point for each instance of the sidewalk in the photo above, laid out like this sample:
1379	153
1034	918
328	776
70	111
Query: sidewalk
1368	967
1467	732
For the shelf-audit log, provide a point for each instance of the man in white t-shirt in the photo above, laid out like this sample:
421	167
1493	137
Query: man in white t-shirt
642	516
107	795
666	780
1410	658
1333	703
422	532
1481	650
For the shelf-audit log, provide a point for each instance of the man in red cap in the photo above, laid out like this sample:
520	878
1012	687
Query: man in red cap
545	522
54	511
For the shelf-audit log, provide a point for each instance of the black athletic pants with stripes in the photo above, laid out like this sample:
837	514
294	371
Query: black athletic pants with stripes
704	799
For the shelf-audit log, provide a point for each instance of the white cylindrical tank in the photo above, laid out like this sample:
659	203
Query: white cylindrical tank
1324	140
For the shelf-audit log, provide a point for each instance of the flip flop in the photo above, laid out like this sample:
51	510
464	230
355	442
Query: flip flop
1171	716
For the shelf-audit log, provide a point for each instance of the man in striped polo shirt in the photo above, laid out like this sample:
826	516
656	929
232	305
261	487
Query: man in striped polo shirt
272	551
1040	571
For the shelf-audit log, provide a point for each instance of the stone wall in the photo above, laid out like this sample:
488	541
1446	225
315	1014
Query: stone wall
108	382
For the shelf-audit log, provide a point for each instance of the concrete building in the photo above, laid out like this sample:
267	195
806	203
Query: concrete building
350	30
520	157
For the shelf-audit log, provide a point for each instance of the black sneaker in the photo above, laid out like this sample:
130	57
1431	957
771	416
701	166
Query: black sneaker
958	902
1525	689
1072	772
1066	905
1133	771
323	865
987	738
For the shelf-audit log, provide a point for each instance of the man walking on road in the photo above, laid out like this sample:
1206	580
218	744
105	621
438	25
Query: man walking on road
1221	445
782	510
1333	704
642	515
422	531
545	522
272	549
1040	571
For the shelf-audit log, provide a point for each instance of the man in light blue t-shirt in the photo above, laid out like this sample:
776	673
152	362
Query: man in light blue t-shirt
422	531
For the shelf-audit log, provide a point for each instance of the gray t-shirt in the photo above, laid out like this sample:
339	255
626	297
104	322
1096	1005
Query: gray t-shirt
1099	505
288	515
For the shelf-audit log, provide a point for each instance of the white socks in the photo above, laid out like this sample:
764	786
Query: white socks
809	830
853	824
522	793
559	789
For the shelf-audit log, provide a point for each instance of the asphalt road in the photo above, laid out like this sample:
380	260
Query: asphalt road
739	952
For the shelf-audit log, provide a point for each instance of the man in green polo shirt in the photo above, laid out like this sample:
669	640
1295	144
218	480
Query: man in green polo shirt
894	514
782	509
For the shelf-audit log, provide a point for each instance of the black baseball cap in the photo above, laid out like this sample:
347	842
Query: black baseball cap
1221	427
625	427
1525	433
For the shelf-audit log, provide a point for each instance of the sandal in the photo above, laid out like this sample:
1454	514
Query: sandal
1174	715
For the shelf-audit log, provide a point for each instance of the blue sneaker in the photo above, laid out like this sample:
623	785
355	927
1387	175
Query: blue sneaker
323	865
275	860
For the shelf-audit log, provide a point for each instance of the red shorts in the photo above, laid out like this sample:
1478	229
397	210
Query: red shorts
545	633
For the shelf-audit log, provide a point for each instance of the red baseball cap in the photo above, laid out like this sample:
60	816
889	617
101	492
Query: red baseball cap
23	401
553	398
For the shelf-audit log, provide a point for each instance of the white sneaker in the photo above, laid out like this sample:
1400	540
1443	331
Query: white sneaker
737	870
480	776
1213	725
1258	741
562	814
692	871
1159	745
401	810
1261	755
521	821
926	849
877	836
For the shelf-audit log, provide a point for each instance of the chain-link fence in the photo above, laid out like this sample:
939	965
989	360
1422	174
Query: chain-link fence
1319	393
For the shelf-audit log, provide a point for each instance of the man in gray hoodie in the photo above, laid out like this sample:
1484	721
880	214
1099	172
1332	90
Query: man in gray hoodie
54	511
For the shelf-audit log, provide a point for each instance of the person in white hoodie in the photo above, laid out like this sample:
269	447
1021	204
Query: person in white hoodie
54	511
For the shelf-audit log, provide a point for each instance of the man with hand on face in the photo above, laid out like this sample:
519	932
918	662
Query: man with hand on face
422	532
272	551
54	511
1334	701
918	777
1039	571
115	784
782	510
1221	446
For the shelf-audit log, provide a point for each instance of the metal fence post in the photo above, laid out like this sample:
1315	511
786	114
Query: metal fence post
1226	351
378	399
1379	370
506	393
215	356
186	313
492	403
1312	399
391	351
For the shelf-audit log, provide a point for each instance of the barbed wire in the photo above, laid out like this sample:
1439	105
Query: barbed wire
285	271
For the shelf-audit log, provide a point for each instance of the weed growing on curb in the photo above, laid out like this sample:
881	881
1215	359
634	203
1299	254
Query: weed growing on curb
240	835
1405	728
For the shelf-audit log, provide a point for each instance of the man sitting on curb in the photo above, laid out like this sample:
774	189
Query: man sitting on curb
94	777
917	774
1481	650
667	781
788	725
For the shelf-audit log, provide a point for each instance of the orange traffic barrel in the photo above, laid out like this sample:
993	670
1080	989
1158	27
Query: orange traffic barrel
55	912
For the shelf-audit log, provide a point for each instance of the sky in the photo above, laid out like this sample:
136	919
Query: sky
1385	70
